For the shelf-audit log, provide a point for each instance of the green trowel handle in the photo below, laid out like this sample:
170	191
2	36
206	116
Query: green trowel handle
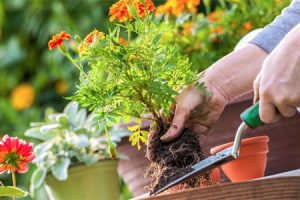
251	116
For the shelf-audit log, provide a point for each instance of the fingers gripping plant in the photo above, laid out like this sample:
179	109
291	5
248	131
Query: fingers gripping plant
142	75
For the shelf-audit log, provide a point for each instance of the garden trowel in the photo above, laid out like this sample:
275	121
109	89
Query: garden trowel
250	118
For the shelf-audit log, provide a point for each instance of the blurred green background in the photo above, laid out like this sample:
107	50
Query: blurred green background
33	78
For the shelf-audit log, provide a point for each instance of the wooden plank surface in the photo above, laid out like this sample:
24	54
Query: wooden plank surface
278	188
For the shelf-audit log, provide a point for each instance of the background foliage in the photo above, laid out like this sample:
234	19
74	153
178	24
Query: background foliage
32	78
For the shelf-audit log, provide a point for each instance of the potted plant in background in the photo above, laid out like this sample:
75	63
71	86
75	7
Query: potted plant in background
73	160
142	76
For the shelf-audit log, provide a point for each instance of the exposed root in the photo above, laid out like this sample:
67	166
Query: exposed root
170	161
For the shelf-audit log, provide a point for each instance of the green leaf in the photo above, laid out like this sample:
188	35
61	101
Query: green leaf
81	117
60	169
157	39
133	10
38	134
8	191
63	120
49	127
38	177
71	110
82	141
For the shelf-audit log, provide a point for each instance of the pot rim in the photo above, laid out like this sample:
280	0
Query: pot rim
244	142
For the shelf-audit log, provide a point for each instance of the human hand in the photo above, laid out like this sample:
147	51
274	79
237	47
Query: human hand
278	84
196	111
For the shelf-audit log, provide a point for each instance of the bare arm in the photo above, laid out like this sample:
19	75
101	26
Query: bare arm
228	78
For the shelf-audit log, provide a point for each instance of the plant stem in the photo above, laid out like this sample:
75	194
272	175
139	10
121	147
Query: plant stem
112	149
14	180
207	6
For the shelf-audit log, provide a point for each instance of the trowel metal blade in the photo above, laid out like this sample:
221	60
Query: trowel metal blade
202	167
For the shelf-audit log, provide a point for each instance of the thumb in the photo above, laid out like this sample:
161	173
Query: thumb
180	117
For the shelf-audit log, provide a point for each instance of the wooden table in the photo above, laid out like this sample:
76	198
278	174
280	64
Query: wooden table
284	186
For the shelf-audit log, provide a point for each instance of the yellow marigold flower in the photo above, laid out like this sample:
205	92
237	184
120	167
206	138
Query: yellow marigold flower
61	87
22	96
177	7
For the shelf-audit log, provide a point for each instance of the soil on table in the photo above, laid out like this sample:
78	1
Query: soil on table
169	161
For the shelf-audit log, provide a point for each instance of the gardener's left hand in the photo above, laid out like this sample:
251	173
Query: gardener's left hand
278	84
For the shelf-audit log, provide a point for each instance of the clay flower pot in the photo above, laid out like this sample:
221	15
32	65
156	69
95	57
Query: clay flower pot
252	161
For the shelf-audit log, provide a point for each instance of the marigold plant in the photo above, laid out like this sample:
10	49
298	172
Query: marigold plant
142	75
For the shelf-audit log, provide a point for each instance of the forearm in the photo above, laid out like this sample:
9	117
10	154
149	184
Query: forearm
234	74
292	39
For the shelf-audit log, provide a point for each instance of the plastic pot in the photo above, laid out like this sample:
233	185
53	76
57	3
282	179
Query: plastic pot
252	161
97	181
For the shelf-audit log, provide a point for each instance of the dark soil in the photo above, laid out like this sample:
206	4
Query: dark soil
170	161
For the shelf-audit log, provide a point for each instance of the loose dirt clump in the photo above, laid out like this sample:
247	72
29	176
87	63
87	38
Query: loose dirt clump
169	161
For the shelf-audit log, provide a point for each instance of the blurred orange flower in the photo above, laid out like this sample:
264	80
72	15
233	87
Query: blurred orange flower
61	87
58	39
22	96
215	16
15	154
188	28
123	41
141	7
217	30
248	26
120	12
177	7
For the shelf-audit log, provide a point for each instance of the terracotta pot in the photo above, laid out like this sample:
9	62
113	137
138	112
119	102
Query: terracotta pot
252	161
215	175
284	148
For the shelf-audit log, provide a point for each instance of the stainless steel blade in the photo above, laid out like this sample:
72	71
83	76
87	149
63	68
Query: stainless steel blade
203	166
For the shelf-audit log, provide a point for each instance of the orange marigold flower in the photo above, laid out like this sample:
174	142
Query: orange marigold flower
22	96
120	12
58	39
94	35
215	16
188	28
140	7
90	39
192	5
123	41
218	30
15	154
248	26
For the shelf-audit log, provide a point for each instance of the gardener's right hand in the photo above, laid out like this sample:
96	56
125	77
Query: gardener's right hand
196	111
